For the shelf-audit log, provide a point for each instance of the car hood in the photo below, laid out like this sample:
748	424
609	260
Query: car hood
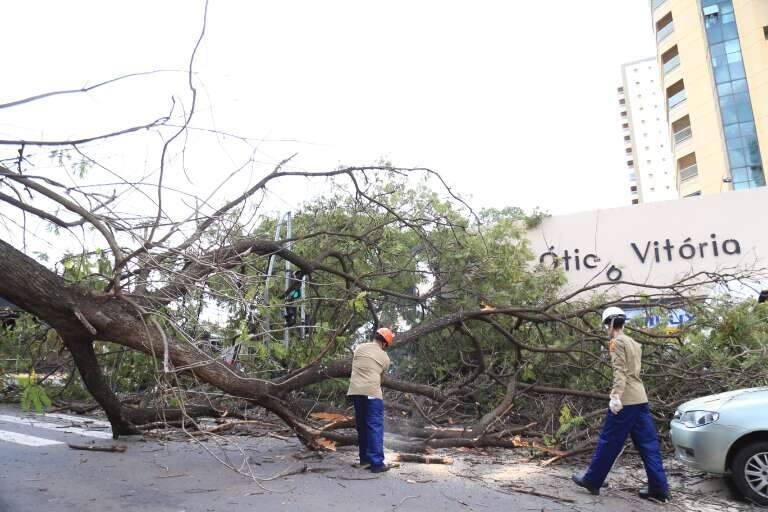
715	402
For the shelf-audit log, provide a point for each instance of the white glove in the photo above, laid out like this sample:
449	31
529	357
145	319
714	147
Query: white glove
615	404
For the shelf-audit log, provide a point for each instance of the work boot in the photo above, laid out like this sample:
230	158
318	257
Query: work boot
579	480
380	469
361	465
654	495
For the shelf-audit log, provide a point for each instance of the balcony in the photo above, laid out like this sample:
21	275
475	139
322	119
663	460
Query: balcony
676	99
671	64
664	31
688	173
682	135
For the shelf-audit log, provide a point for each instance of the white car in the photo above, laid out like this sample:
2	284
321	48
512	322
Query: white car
726	433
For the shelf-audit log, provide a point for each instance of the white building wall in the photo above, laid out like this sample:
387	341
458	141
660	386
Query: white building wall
658	243
648	131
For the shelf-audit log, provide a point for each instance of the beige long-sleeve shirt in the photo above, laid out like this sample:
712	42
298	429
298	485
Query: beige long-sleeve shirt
369	364
626	357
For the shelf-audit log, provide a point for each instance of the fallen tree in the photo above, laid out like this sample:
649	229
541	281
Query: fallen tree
488	347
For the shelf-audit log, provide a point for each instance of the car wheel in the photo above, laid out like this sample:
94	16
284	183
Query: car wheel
750	472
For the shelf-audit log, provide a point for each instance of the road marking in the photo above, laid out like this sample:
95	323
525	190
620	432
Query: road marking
77	419
52	426
15	437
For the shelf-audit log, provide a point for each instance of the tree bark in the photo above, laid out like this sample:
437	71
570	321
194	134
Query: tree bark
88	366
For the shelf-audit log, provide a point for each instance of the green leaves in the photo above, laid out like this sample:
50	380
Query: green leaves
33	395
358	304
92	269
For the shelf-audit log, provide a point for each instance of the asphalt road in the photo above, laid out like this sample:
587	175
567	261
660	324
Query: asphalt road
39	472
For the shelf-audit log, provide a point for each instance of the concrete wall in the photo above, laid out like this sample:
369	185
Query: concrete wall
736	220
649	130
696	71
702	105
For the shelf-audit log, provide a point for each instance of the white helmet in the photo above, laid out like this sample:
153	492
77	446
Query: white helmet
612	312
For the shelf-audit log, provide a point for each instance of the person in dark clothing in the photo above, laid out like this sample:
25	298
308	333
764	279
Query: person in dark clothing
293	294
763	297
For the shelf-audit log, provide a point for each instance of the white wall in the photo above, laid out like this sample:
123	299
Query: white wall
650	132
688	224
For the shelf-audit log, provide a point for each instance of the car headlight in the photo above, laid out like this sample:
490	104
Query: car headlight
692	419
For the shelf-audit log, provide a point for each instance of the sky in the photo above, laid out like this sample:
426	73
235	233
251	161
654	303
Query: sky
514	103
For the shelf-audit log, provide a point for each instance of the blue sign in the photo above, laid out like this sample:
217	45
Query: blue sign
672	318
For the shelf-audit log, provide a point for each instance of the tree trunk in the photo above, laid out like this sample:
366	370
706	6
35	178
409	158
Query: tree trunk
88	366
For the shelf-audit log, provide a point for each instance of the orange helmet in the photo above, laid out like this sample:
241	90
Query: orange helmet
386	334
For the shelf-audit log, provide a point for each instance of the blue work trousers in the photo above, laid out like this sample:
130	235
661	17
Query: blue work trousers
636	421
369	421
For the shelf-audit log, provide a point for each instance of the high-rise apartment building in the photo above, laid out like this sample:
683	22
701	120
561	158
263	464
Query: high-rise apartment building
713	59
646	133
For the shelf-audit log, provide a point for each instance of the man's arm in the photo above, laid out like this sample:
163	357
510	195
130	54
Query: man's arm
619	361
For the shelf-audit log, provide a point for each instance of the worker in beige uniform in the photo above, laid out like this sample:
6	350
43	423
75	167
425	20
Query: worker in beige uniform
628	414
369	364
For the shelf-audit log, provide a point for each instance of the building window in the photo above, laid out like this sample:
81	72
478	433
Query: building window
687	168
628	151
630	163
694	194
635	201
670	59
681	129
633	188
664	27
620	89
676	94
765	31
625	125
622	101
733	95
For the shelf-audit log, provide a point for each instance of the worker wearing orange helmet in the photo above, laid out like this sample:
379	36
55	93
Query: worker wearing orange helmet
369	364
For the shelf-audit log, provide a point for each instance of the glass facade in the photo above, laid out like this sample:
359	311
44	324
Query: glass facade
733	95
